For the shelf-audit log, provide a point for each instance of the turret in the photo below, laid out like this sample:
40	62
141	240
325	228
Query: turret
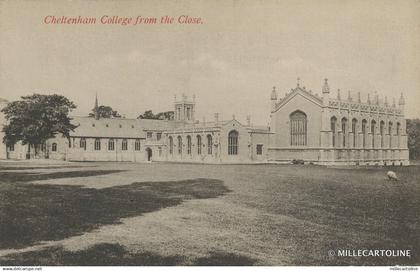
273	99
401	103
325	91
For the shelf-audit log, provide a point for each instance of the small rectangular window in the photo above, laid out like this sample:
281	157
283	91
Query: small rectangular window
158	136
259	149
149	135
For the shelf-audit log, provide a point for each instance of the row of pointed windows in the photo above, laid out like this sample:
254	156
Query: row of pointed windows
373	131
298	131
232	144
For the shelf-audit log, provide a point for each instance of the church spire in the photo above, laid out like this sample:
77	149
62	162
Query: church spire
96	108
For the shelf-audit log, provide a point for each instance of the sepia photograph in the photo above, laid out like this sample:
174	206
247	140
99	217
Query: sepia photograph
266	133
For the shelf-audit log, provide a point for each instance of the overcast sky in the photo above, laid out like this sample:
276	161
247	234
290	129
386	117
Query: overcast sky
230	62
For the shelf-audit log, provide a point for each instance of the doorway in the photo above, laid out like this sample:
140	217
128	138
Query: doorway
149	154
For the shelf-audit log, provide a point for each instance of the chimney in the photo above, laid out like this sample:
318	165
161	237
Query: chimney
216	118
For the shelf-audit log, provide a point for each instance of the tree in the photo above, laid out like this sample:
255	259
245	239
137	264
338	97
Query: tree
148	114
36	118
106	112
413	134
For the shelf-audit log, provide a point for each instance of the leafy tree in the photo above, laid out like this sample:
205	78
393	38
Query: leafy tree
106	112
36	118
148	114
413	132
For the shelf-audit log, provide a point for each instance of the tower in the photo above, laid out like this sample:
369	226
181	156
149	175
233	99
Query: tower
185	109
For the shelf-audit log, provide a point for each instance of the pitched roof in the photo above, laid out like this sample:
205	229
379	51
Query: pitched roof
299	91
116	127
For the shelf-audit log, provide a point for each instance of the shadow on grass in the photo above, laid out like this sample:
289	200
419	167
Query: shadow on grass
106	254
41	167
12	177
30	213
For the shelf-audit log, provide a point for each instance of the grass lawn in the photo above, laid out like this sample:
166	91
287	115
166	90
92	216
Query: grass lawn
182	214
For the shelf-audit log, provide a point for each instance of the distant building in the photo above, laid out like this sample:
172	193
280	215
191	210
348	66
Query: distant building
303	126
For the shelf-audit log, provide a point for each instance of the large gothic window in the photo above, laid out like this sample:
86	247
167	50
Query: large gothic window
373	132
398	133
198	144
344	130
171	145
298	125
334	131
188	144
390	134
353	131
209	144
364	131
233	143
381	130
179	145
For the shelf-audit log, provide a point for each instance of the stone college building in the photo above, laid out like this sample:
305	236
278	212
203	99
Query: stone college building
304	127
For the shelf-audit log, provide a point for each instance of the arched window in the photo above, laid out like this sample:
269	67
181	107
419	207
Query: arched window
233	143
179	145
381	131
111	145
390	134
209	144
171	145
373	132
353	130
334	130
298	128
198	144
97	144
398	133
54	147
188	144
344	130
124	145
82	143
364	124
137	145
